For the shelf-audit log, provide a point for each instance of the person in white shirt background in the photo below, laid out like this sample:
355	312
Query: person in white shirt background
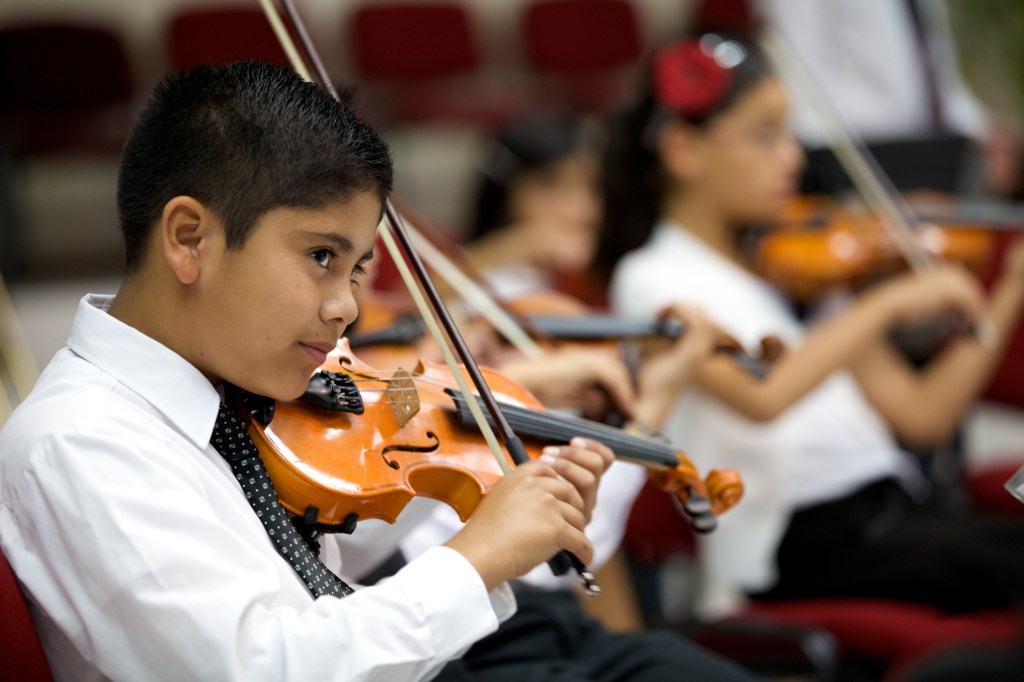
831	506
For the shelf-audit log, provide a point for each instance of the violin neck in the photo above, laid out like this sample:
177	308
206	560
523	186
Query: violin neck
603	327
560	429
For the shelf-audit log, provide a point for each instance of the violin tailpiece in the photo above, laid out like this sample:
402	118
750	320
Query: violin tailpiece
334	391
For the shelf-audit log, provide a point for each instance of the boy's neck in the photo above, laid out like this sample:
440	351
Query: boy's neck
148	309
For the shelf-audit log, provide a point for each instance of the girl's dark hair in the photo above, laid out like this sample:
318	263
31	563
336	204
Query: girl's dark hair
519	149
632	180
243	138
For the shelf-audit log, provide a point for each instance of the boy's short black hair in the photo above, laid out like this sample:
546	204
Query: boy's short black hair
243	138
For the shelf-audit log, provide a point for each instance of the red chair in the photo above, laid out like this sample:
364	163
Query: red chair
418	62
814	636
218	35
588	50
66	93
64	88
21	654
1007	385
985	485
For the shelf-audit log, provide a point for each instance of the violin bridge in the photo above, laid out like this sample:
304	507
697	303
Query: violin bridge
402	396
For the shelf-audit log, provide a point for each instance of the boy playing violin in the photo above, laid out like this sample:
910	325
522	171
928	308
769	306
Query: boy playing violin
248	202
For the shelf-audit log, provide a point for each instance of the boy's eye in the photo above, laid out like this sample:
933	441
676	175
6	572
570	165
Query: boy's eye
322	257
358	273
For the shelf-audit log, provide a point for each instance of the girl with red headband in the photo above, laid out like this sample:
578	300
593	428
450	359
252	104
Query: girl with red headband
834	504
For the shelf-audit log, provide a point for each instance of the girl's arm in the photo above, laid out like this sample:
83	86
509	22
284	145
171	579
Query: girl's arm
924	407
840	341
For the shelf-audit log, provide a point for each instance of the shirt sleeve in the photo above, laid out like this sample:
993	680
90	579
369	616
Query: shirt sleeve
618	489
121	550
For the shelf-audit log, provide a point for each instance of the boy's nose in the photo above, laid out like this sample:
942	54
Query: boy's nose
341	307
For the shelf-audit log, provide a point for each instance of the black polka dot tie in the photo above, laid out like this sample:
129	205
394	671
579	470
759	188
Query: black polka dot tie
232	441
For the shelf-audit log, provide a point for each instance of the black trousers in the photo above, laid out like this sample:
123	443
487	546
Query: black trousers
879	543
550	639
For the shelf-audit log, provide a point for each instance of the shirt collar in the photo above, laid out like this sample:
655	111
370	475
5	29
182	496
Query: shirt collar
669	235
147	367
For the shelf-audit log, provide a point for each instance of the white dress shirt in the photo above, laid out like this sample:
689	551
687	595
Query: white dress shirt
825	446
142	560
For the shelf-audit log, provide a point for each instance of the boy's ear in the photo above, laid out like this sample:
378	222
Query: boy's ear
186	226
679	145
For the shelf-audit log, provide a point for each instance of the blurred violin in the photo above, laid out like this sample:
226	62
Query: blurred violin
552	317
820	243
361	443
905	229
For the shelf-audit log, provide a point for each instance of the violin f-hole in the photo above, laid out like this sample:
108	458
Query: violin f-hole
409	448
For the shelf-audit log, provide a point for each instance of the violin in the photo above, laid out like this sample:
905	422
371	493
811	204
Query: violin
820	244
361	443
393	332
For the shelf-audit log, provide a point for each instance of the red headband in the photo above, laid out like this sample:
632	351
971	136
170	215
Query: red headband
687	80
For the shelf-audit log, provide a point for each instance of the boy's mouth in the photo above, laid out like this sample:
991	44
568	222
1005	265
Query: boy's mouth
318	351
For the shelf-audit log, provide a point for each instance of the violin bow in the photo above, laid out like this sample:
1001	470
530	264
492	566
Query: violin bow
398	235
860	165
463	277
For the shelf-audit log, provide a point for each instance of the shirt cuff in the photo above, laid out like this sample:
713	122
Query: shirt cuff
459	610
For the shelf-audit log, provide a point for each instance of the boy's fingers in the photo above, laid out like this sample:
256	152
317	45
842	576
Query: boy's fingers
550	481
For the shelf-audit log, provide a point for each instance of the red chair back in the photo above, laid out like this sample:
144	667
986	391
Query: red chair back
413	40
21	654
64	87
581	35
218	35
419	62
585	52
61	65
1007	384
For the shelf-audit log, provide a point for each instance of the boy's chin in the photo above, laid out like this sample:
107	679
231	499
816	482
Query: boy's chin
281	391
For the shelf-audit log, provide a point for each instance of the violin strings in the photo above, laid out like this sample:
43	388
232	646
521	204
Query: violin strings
554	427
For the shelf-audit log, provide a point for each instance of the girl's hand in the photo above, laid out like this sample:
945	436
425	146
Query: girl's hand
918	295
665	372
563	377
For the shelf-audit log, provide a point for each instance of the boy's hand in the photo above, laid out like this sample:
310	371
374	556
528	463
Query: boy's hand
539	509
582	463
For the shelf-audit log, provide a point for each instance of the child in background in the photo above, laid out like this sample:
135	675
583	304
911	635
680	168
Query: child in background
833	505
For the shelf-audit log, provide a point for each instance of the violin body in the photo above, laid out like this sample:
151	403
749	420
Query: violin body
372	464
411	437
822	244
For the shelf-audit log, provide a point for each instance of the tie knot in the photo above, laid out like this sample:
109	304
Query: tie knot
229	437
